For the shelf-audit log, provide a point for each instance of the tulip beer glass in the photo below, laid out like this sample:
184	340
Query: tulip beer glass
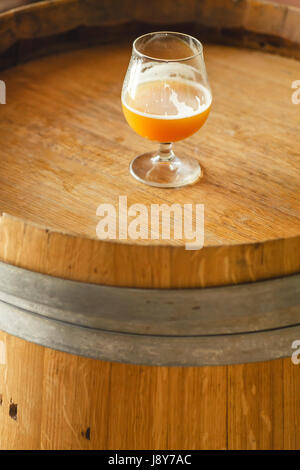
166	97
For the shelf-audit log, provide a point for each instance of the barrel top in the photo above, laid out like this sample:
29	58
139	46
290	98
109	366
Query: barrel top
66	146
66	149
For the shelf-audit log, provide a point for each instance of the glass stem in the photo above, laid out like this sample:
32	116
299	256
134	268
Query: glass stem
165	152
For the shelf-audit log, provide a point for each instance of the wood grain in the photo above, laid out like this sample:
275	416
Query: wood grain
66	149
256	410
69	402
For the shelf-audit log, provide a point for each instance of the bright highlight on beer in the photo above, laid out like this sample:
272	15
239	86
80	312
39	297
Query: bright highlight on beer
166	97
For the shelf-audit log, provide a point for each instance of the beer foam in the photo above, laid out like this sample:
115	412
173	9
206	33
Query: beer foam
167	72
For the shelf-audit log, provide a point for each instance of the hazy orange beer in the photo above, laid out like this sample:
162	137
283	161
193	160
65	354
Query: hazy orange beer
167	110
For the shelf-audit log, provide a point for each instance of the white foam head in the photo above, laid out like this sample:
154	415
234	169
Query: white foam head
142	73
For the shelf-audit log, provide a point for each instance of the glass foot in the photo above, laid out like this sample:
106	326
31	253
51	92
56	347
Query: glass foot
173	172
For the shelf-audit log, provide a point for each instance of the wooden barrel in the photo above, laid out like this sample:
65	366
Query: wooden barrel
96	332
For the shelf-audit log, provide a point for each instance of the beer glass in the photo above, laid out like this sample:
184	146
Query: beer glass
166	97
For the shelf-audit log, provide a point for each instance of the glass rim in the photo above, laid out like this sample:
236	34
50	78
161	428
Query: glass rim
199	44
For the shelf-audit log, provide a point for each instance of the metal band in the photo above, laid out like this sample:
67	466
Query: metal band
219	325
147	349
208	311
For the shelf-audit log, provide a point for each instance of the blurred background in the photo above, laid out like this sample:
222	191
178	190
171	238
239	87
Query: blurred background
8	4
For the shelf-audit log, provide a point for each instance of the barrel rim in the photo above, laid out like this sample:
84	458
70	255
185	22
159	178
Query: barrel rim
130	243
244	15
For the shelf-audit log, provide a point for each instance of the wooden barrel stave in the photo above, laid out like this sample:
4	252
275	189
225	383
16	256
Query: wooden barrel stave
277	22
40	28
246	406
